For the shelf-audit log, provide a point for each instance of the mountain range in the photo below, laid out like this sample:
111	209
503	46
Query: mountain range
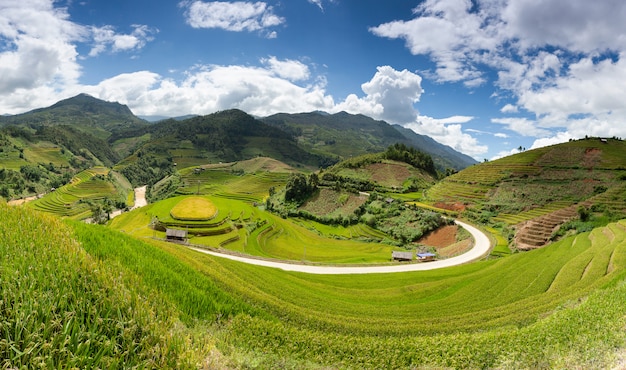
110	134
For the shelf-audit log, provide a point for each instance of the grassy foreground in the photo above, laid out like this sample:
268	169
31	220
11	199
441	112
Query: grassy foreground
62	308
86	296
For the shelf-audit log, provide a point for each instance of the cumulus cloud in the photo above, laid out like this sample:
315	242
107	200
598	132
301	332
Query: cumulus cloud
39	60
505	153
561	60
38	47
105	37
509	108
559	137
291	70
232	16
577	25
205	89
449	131
450	33
522	126
390	95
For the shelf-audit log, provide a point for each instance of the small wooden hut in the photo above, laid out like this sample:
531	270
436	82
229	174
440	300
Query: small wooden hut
175	235
401	256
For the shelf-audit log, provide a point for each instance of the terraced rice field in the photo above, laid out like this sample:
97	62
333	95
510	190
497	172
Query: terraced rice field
248	187
537	232
68	201
514	219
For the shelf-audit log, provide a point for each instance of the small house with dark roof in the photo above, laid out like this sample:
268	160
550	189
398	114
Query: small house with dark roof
175	235
401	256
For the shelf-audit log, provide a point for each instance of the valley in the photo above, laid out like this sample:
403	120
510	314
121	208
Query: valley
530	249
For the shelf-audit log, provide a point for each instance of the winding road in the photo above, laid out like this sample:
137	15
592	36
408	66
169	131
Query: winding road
480	249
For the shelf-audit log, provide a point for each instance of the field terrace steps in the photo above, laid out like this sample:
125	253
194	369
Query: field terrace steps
537	232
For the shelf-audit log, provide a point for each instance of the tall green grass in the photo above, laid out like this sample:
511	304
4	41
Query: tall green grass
61	308
195	296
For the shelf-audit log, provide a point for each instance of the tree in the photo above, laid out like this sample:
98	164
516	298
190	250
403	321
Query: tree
584	213
31	173
297	188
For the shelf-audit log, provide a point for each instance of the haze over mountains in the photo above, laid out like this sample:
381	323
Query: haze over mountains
312	139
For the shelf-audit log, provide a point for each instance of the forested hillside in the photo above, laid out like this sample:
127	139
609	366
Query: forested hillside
346	135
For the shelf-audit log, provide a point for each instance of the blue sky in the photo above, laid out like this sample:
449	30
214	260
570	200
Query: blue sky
484	76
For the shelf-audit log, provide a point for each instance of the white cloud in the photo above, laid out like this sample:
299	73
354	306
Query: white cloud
449	131
38	50
504	153
39	61
509	108
501	135
232	16
390	95
318	3
450	33
563	61
291	70
578	25
588	88
205	89
522	126
106	37
559	137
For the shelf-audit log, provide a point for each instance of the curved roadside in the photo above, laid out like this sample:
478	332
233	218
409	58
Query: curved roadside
480	249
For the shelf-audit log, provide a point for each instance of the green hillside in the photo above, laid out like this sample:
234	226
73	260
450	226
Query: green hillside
551	182
113	299
83	112
346	135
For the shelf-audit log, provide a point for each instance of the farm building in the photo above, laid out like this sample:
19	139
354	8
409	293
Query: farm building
425	257
401	256
176	235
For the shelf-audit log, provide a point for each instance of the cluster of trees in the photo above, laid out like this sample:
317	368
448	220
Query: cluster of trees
148	169
405	223
403	153
350	184
32	179
300	187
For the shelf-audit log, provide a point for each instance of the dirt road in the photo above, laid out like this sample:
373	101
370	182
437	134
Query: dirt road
140	201
480	249
140	197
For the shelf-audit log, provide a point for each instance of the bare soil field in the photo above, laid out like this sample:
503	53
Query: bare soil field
389	174
442	237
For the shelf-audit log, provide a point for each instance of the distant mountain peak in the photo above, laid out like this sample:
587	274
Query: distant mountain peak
88	101
83	112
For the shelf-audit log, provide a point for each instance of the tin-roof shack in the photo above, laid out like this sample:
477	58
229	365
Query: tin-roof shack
425	257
